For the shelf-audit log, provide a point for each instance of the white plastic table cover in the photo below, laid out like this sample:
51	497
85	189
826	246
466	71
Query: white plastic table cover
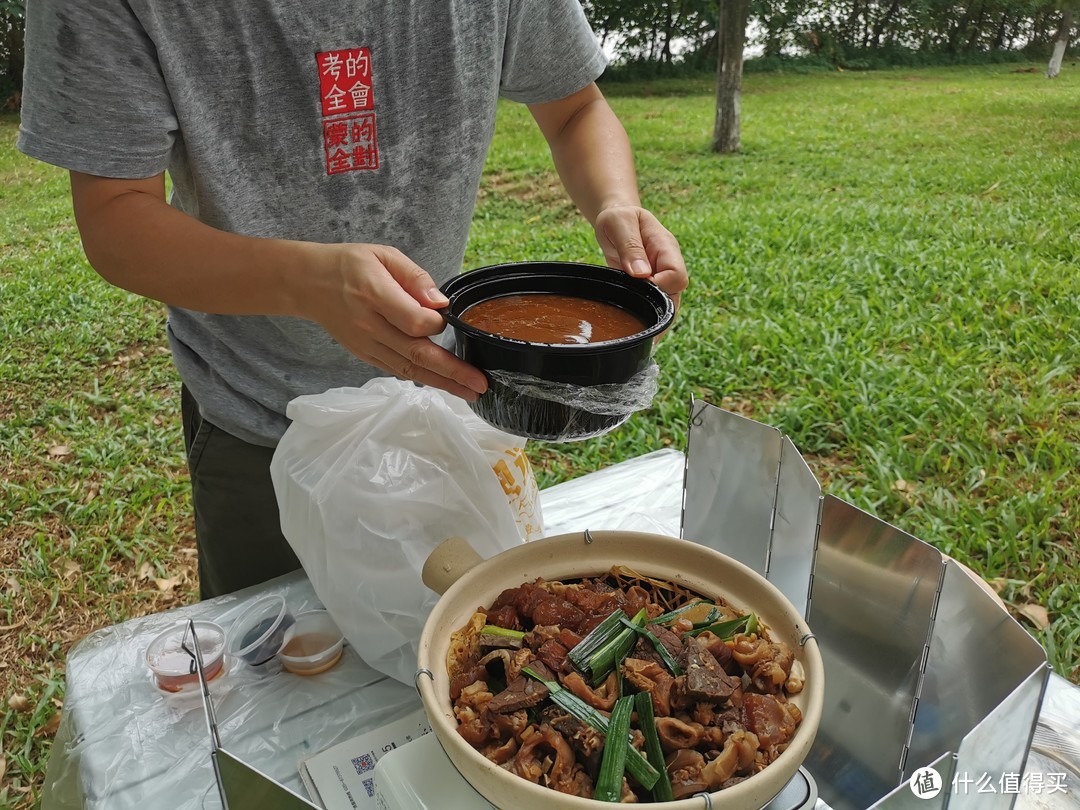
123	744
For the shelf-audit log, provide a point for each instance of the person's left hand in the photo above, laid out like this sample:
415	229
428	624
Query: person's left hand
633	240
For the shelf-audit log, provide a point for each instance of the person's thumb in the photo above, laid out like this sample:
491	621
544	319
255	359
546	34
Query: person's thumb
413	279
623	233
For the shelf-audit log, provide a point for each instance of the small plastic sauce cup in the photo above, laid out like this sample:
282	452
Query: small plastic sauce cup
259	632
313	645
174	667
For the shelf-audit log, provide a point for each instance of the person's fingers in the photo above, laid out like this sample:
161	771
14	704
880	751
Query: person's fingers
412	278
620	236
384	313
428	364
421	360
668	266
370	286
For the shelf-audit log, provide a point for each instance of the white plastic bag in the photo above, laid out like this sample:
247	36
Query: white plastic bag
370	480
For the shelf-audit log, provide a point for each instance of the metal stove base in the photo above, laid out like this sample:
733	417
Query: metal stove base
419	776
800	793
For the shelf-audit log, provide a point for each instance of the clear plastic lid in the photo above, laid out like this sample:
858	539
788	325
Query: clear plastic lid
313	644
171	656
259	632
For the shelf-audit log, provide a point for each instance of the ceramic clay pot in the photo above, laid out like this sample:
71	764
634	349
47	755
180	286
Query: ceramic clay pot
468	582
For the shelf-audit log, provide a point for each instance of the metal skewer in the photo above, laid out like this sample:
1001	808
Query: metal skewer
208	706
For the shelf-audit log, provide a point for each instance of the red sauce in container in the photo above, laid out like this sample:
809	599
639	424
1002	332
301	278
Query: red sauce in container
174	667
181	675
552	318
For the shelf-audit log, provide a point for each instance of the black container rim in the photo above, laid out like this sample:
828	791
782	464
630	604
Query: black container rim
648	290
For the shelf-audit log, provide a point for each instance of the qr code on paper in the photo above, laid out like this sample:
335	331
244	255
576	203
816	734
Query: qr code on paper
369	786
364	763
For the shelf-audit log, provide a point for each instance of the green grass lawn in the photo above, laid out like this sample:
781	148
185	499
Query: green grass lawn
889	273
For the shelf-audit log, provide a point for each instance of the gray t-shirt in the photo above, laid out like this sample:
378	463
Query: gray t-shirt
321	121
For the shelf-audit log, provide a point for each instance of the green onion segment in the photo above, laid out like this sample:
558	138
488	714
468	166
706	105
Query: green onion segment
570	703
609	780
661	791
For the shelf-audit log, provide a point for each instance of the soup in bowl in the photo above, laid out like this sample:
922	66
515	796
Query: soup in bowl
567	348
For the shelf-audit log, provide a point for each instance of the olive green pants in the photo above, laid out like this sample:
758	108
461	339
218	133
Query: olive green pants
237	529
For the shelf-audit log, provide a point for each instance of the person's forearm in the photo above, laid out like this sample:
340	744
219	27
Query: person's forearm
593	157
139	242
372	299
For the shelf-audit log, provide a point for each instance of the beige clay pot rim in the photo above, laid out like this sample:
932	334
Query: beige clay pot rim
566	556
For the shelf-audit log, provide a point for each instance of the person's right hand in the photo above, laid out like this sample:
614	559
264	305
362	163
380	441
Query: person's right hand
372	299
381	306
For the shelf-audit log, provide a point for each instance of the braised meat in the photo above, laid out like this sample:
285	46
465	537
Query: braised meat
535	679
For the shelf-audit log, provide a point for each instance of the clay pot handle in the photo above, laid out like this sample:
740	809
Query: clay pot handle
448	563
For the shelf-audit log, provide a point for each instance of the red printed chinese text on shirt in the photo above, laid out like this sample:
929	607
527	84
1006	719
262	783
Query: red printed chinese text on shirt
346	87
345	81
351	143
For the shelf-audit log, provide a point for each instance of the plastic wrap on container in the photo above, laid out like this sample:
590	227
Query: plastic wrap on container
608	380
555	411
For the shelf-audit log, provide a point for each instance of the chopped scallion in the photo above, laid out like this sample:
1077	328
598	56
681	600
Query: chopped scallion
610	779
671	615
714	614
611	654
599	636
570	703
661	791
729	628
495	630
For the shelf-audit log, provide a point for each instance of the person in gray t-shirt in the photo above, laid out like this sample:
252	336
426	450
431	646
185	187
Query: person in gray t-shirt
325	159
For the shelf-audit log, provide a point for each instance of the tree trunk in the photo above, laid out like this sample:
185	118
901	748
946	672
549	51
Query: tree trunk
956	33
975	31
1060	43
665	52
731	38
882	22
999	37
773	31
852	22
1038	28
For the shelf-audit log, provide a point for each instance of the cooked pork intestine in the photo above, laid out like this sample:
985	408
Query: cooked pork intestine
721	719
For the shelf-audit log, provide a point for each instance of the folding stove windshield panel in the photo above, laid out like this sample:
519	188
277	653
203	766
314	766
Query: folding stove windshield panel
922	665
928	792
240	786
872	607
983	685
749	493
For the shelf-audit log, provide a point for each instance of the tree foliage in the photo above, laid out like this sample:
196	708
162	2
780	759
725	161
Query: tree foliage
663	34
660	32
12	15
653	30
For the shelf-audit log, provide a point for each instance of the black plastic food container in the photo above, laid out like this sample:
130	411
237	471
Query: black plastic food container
607	363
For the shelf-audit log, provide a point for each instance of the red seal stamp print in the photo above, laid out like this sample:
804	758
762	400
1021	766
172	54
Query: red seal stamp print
347	93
